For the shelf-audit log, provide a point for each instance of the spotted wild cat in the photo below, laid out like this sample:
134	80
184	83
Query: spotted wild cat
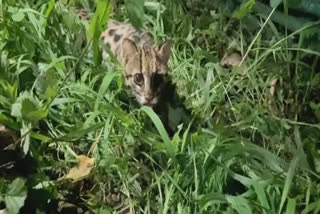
145	63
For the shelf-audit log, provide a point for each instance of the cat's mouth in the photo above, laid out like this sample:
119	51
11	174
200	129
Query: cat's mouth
151	105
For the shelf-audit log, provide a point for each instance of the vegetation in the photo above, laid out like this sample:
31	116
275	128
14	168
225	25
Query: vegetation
73	140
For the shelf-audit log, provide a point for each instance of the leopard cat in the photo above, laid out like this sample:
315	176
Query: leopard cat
145	63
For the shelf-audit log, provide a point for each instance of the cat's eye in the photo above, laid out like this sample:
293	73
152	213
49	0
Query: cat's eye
138	79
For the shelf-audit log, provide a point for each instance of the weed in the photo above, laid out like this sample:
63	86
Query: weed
245	140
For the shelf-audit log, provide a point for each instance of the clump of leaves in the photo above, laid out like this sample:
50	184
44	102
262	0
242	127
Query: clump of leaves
13	195
249	146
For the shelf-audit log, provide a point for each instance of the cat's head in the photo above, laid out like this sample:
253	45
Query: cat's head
146	70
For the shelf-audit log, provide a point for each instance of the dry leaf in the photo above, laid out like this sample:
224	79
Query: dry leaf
231	60
85	165
273	86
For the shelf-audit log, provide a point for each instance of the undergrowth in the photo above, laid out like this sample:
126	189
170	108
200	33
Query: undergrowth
246	138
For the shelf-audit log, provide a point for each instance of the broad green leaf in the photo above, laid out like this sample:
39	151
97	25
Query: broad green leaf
16	110
240	204
15	196
244	10
135	12
275	3
293	3
157	122
305	6
291	206
28	108
311	6
17	187
31	112
18	17
47	84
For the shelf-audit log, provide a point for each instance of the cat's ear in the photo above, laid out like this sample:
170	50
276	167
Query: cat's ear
164	50
130	50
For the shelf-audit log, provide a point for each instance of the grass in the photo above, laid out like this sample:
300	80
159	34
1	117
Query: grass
236	148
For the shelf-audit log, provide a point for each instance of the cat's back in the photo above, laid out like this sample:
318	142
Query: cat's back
116	32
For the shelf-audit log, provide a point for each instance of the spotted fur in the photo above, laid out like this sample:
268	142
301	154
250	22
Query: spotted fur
145	63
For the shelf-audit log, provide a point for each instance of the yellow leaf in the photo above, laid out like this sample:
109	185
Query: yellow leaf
83	169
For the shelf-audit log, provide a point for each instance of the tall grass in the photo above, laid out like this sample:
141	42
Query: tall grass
237	149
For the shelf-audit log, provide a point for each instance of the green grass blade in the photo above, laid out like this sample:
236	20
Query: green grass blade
103	88
291	206
77	134
261	195
288	181
240	204
98	22
157	122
